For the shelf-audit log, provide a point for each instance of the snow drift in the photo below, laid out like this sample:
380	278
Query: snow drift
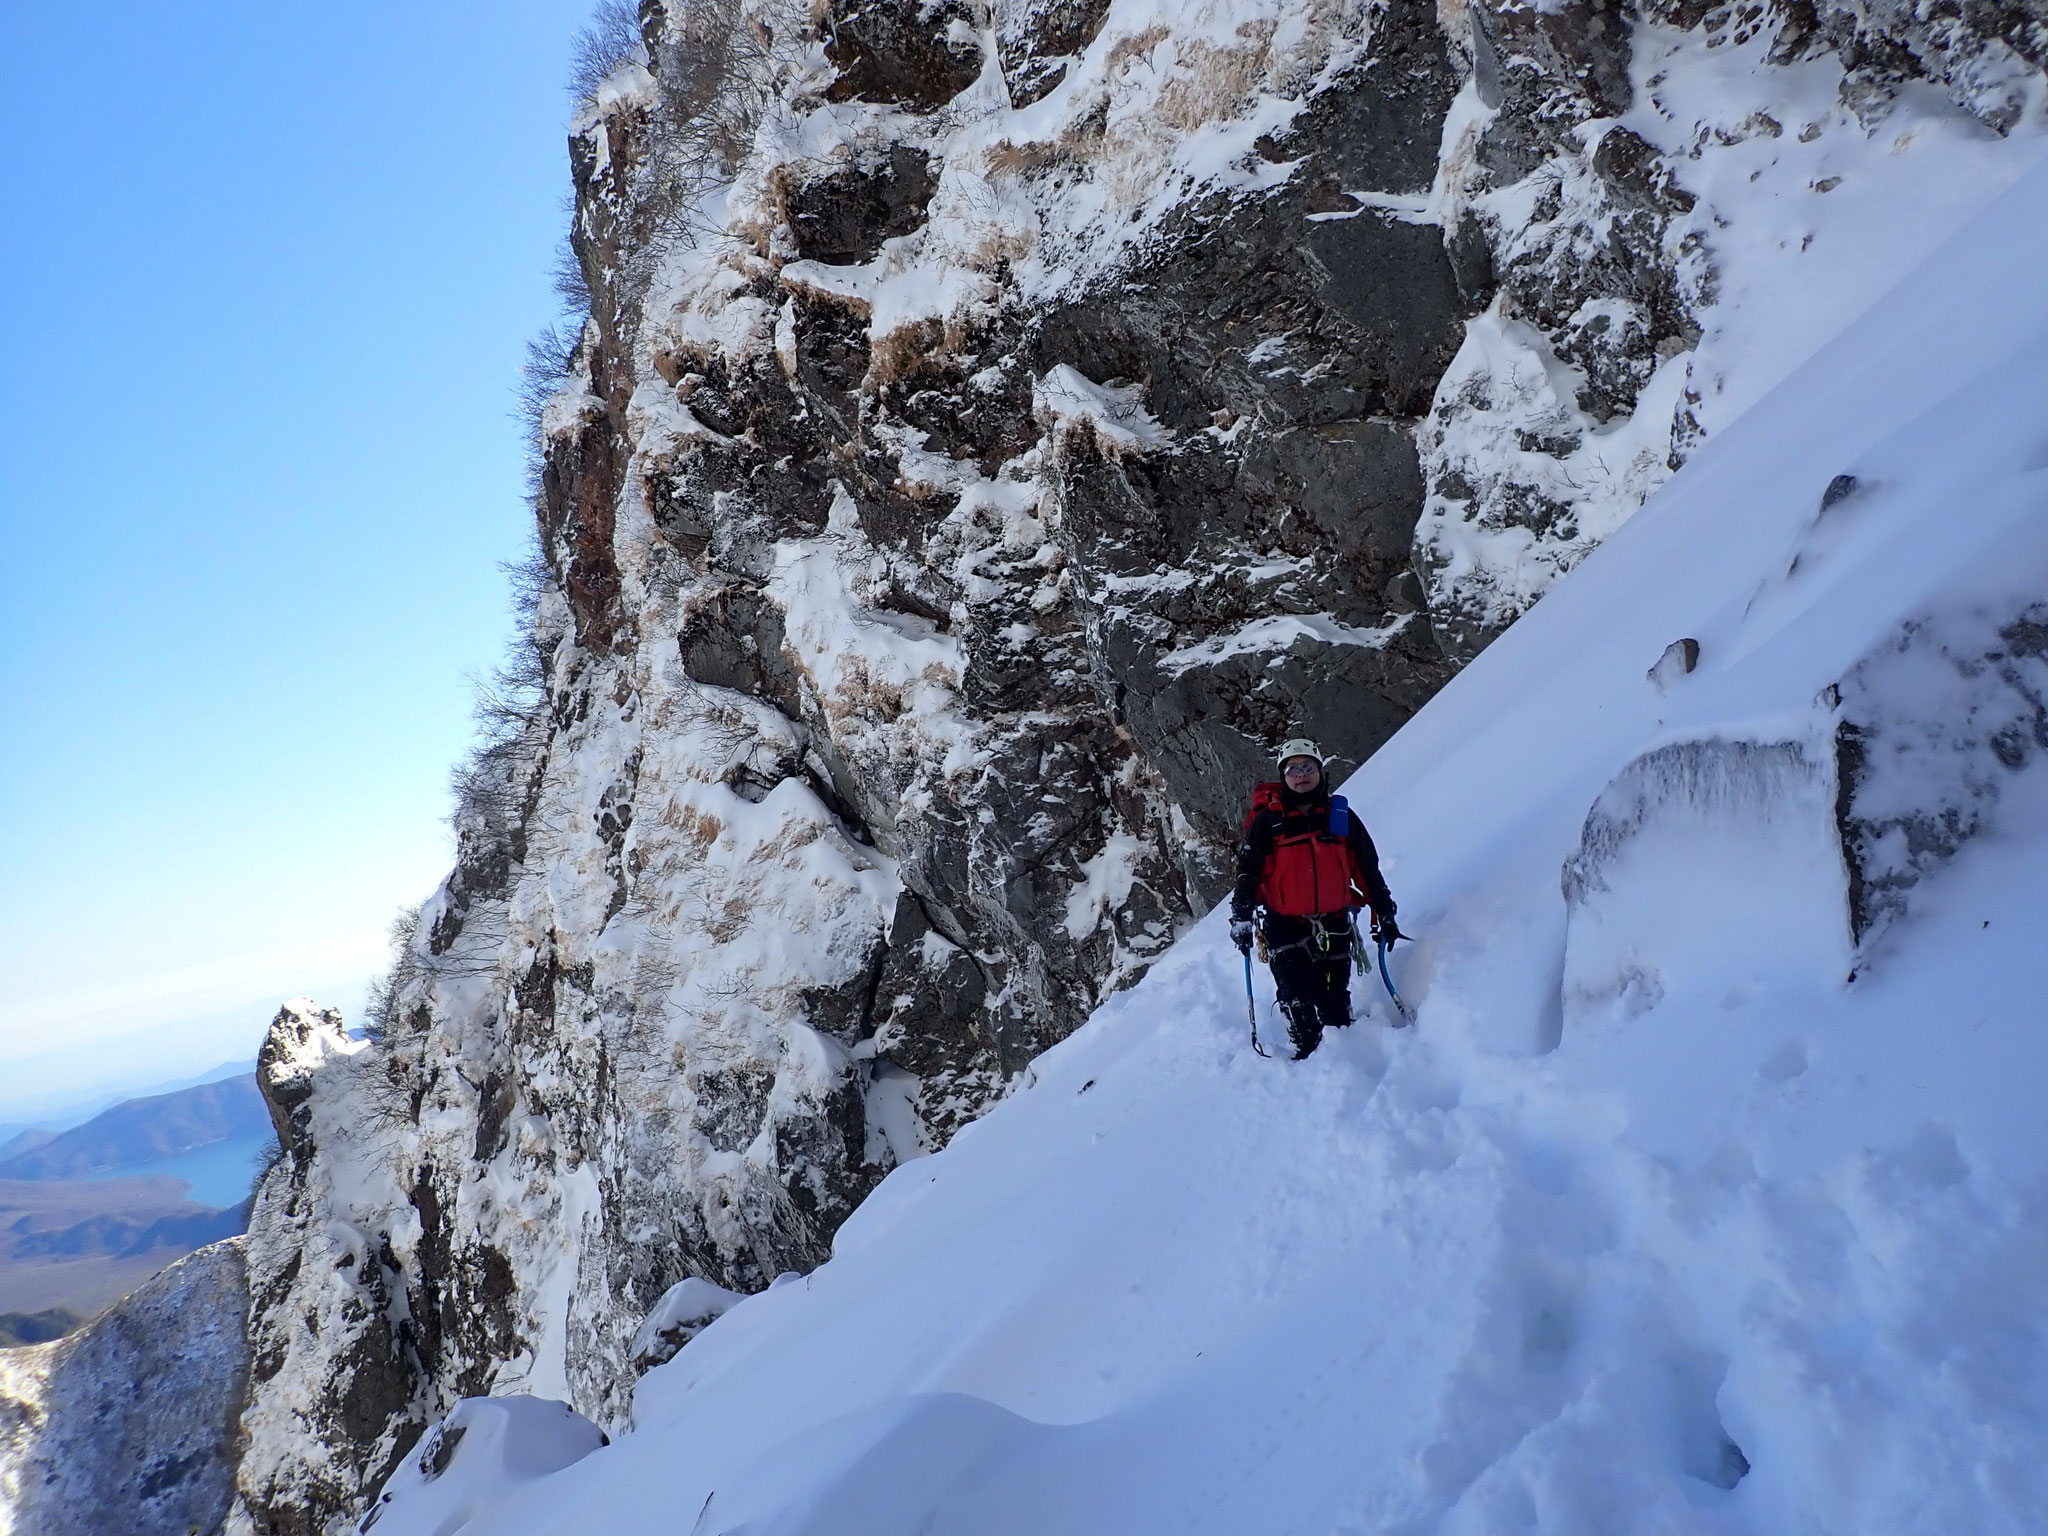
1679	1210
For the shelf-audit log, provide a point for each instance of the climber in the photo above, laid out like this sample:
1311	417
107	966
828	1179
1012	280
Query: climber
1309	863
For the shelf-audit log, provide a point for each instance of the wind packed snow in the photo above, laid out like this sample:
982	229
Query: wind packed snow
1657	1221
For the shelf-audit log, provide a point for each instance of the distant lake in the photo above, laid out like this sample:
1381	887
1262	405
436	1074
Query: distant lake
218	1175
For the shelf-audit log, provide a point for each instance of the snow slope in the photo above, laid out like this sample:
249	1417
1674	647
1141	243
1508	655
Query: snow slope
1658	1221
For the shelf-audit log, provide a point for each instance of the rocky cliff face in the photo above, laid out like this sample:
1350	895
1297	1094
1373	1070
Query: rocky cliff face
994	426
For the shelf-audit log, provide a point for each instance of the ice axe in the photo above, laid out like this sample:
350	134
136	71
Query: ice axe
1403	1018
1251	1005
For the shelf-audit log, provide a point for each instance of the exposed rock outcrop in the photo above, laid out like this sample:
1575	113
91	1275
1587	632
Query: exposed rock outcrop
1934	727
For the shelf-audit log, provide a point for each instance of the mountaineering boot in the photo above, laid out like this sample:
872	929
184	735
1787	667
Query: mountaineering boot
1304	1027
1337	1005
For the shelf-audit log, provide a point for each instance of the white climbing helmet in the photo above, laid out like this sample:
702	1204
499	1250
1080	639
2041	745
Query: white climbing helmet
1299	746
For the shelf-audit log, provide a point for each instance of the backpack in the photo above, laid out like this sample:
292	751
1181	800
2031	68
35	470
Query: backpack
1266	797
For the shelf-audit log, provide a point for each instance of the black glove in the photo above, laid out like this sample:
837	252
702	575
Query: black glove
1241	934
1384	929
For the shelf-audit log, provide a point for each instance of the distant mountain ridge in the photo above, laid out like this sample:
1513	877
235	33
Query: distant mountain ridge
34	1111
127	1236
140	1131
79	1244
88	1213
24	1139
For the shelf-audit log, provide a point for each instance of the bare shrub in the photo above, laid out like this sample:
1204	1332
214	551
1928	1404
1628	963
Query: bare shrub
495	784
390	1094
571	283
382	1008
607	40
714	70
266	1160
514	697
494	787
550	364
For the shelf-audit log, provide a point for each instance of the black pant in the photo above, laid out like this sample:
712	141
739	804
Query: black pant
1311	960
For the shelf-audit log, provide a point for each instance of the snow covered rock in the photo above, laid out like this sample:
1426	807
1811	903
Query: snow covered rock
1665	226
1756	1250
300	1039
131	1424
995	426
483	1448
1988	58
1704	860
331	1375
1937	725
685	1310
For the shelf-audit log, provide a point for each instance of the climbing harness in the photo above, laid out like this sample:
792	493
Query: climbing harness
1318	938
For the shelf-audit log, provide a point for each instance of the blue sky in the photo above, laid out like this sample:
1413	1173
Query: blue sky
270	270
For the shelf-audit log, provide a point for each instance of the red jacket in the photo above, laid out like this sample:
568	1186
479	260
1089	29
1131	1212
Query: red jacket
1306	856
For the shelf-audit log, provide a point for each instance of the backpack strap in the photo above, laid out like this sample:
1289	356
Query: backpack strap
1340	818
1265	797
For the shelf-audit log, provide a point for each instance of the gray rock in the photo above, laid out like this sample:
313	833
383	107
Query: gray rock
1598	282
1680	657
1987	56
292	1050
1839	490
900	51
1040	38
844	217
